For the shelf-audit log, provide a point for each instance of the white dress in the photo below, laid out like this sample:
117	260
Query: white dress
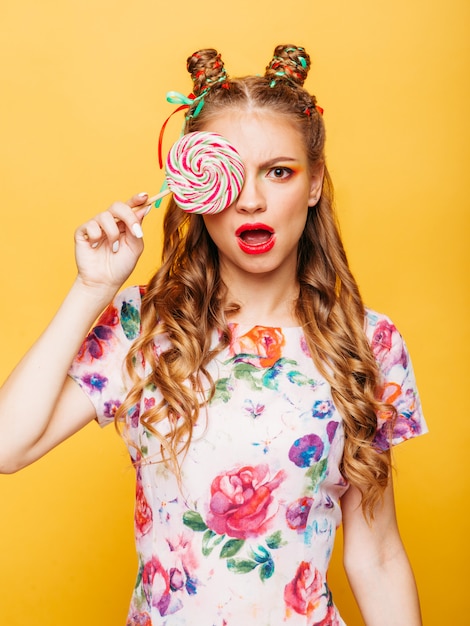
248	538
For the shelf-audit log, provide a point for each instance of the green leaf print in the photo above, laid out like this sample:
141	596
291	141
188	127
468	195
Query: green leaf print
316	473
299	379
266	570
231	548
194	521
248	373
269	380
223	390
260	554
241	566
275	540
130	320
139	574
210	540
272	373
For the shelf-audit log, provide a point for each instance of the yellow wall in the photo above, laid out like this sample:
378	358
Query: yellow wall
83	86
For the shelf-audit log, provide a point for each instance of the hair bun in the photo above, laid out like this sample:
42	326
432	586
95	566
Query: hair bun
290	63
206	68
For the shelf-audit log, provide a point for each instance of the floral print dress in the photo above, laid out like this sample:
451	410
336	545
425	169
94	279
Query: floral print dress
248	537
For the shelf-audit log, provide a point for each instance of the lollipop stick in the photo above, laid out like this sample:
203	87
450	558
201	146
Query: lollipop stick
154	199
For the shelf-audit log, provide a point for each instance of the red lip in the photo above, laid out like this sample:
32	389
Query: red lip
255	238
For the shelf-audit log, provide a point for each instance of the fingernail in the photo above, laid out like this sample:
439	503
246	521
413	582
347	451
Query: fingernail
116	246
142	194
137	230
148	209
95	244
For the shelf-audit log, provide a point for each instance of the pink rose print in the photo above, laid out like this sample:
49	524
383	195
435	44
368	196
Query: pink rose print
387	351
266	343
307	594
143	513
304	589
156	585
242	503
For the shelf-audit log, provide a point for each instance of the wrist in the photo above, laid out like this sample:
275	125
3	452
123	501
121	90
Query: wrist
94	295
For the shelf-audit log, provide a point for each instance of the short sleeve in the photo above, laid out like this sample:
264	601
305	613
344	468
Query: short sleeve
98	368
398	384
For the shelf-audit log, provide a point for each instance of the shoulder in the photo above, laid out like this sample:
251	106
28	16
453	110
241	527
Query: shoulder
386	342
397	381
375	322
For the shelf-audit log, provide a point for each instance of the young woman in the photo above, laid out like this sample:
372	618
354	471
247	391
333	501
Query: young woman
257	395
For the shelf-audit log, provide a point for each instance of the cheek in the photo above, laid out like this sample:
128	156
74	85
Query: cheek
215	226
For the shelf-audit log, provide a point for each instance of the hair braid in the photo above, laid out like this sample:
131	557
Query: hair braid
206	68
290	63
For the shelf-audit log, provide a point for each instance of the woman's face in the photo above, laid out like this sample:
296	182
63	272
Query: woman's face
260	231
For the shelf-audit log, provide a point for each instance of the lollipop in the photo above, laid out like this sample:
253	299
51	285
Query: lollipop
204	172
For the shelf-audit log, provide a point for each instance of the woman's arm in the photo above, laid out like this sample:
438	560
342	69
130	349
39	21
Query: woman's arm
39	405
376	563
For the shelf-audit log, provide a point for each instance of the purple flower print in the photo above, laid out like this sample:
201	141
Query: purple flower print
306	450
331	428
405	427
94	381
100	337
304	346
297	513
111	407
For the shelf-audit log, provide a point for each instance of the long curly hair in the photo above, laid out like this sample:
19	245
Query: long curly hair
186	299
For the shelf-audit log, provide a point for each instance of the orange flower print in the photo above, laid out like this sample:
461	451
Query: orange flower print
265	342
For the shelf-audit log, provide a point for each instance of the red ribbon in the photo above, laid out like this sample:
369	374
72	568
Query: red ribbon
160	137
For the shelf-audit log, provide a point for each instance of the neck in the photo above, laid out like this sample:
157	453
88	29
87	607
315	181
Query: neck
263	301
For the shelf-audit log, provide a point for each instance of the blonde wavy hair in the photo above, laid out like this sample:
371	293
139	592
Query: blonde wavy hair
186	298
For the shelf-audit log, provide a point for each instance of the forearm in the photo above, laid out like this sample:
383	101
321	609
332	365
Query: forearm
386	591
28	397
38	408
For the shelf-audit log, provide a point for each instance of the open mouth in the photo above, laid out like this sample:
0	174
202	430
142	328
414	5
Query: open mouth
255	238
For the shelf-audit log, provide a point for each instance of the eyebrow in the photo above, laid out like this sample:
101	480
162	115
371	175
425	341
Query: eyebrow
279	159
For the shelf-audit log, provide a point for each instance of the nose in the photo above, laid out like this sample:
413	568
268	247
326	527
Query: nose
251	198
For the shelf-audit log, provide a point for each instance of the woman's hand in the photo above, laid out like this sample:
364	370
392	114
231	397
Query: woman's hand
108	246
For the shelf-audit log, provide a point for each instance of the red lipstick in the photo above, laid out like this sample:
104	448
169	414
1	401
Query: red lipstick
256	238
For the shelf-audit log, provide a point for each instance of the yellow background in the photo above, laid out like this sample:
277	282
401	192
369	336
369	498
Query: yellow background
82	99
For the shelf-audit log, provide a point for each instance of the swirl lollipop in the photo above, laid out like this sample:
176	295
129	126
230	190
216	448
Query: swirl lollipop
204	172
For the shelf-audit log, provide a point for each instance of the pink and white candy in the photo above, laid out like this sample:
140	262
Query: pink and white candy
204	172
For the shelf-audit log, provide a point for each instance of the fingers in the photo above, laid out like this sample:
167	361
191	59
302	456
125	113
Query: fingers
120	219
138	200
